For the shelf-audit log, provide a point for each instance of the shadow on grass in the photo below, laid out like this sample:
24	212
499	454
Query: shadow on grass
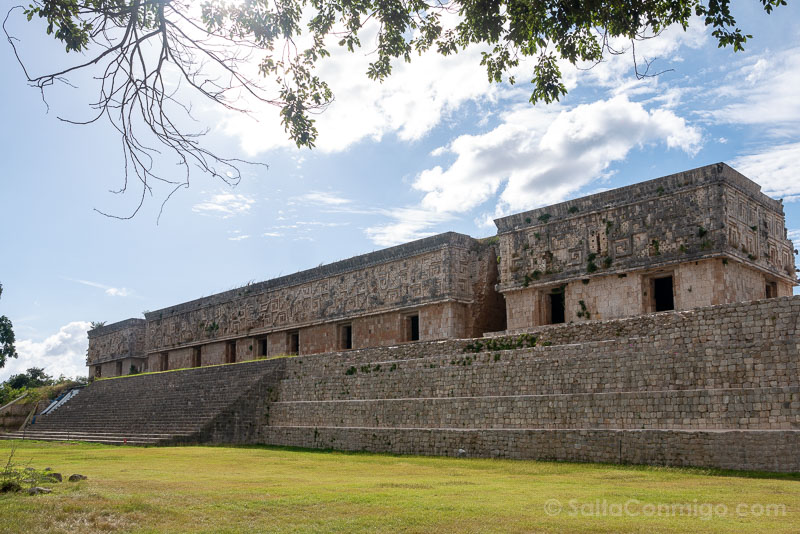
699	471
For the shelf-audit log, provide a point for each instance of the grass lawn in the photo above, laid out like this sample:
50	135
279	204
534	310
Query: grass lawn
260	489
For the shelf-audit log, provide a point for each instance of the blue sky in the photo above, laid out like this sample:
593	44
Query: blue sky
434	148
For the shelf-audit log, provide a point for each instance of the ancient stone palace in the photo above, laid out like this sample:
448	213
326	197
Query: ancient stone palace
698	238
651	324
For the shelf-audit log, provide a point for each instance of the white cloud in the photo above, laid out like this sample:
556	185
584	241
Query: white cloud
224	205
544	155
272	234
61	353
540	154
775	169
422	94
87	283
409	224
322	224
763	91
412	101
794	235
118	292
238	237
324	198
109	290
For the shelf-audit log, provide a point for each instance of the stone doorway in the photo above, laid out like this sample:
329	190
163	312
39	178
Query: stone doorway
663	294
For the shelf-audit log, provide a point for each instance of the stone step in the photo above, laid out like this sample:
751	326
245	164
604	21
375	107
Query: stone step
757	408
759	450
552	370
97	427
110	434
149	409
132	439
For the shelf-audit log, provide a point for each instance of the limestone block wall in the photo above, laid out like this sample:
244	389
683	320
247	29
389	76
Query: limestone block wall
695	284
596	367
762	451
179	359
716	386
119	367
762	408
437	321
12	417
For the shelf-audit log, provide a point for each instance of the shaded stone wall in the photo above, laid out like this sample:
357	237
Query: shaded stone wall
119	367
446	281
449	268
762	451
12	417
123	342
756	230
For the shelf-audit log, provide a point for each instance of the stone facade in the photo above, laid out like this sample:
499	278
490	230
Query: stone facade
697	238
440	287
116	349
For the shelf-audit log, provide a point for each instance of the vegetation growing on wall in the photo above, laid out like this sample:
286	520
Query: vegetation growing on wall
521	341
584	311
591	266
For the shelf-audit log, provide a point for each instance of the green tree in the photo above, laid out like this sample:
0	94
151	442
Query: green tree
138	50
7	349
32	378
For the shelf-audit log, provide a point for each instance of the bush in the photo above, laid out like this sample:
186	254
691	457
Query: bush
42	392
8	394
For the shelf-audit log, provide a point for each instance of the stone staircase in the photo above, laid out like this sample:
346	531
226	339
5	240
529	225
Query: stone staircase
147	409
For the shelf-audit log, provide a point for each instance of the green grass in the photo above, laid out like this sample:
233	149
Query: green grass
261	489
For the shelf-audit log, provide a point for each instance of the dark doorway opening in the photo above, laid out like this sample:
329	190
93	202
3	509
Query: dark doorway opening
196	358
556	307
119	368
294	342
262	347
771	290
662	294
413	327
346	334
230	352
165	361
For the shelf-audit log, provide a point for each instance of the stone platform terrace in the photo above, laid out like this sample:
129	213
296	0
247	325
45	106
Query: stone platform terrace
715	387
